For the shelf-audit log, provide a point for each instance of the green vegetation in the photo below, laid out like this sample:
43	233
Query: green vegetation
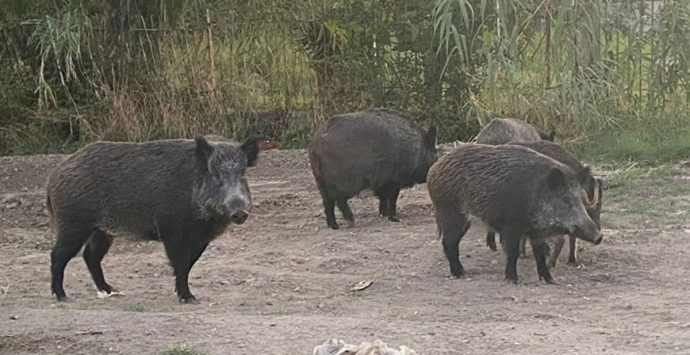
648	192
647	145
611	77
136	307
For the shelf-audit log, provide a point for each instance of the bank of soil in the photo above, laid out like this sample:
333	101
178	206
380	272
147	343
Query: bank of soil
280	283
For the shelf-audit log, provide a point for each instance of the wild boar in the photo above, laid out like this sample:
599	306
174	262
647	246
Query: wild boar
515	191
379	149
181	192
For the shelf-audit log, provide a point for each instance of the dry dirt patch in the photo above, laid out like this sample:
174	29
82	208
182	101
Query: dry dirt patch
280	283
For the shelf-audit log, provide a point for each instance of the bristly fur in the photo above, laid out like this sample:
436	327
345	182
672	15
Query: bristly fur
379	149
591	186
181	192
515	191
504	130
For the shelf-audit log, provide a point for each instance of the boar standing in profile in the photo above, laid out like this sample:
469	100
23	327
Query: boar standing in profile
504	130
515	191
377	149
592	187
181	192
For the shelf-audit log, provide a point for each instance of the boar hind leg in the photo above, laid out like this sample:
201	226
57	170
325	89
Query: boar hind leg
491	240
327	194
329	210
94	251
344	208
69	240
540	250
388	199
392	204
452	228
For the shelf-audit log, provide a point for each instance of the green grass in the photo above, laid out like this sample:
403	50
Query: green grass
646	191
297	135
35	140
646	144
181	350
136	307
633	173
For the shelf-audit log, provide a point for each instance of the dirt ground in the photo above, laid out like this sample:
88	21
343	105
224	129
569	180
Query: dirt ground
280	283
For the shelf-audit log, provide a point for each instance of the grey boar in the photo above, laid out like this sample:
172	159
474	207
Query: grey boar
504	130
377	149
183	193
515	191
591	185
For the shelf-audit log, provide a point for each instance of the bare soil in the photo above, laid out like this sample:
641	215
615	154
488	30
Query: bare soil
280	283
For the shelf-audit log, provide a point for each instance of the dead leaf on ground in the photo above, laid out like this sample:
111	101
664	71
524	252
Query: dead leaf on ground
361	285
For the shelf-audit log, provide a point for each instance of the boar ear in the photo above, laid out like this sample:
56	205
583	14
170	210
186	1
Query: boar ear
556	179
583	176
203	151
430	137
586	180
547	136
552	136
250	148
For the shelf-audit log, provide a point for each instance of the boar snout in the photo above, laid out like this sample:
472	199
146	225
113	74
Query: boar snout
236	202
239	217
588	231
599	239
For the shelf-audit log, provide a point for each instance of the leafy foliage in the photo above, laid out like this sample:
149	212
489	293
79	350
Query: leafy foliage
72	72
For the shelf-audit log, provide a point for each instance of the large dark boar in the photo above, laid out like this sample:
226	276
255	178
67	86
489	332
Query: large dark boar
181	192
377	149
504	130
591	185
515	191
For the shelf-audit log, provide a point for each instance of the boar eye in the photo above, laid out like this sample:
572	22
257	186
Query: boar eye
567	202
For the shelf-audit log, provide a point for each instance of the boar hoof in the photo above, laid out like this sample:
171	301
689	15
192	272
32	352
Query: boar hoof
333	226
189	300
511	281
456	274
350	224
61	298
394	219
548	280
